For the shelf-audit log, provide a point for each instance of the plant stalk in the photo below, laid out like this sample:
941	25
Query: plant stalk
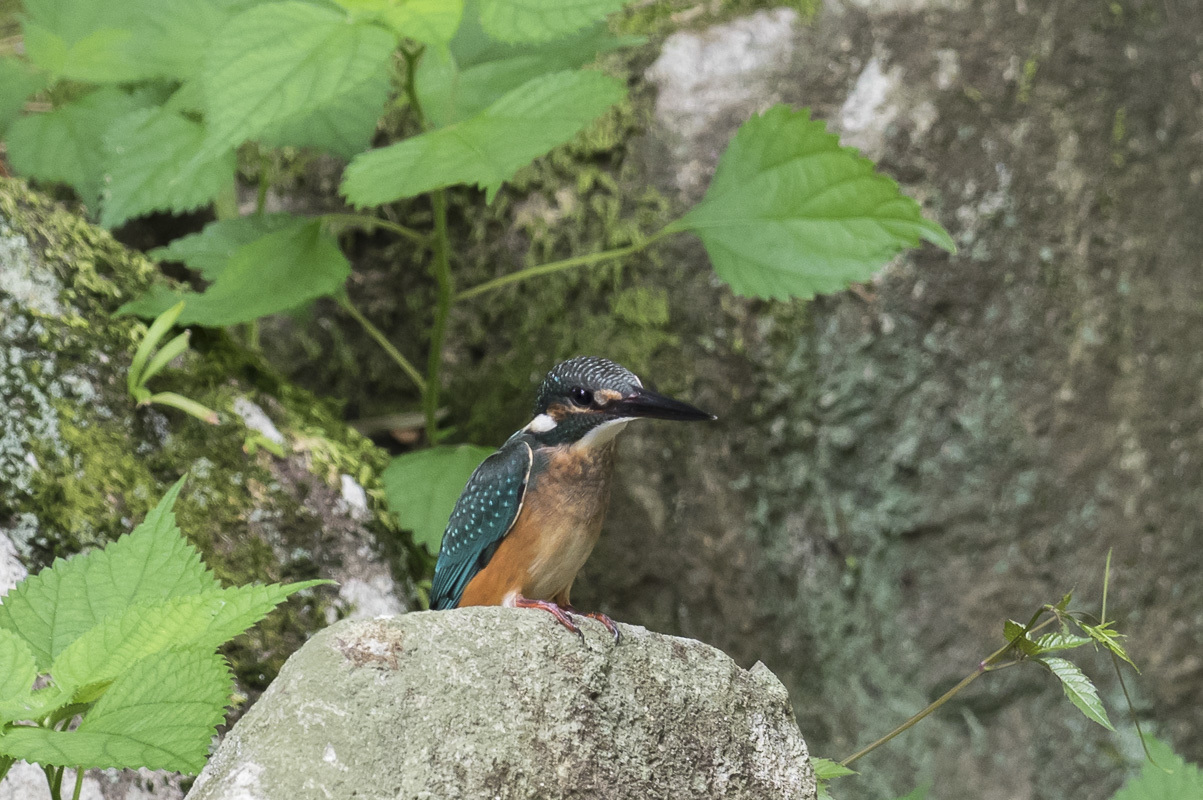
79	783
558	266
985	666
441	267
367	222
404	363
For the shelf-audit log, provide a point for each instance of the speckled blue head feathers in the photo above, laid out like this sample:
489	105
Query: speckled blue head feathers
569	379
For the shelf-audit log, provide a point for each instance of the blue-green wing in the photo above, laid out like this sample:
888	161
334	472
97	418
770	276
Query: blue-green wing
482	517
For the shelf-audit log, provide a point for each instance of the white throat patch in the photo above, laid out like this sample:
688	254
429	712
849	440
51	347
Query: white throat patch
541	424
602	434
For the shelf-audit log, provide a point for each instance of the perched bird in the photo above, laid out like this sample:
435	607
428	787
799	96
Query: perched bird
532	511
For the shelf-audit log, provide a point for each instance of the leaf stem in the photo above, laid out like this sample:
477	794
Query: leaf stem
982	668
367	222
404	363
441	267
6	764
1106	583
559	266
79	782
411	89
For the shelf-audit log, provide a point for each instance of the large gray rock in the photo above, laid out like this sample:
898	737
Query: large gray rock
504	703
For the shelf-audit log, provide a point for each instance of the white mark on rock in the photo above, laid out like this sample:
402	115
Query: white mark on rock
354	498
708	79
257	420
870	108
374	597
12	571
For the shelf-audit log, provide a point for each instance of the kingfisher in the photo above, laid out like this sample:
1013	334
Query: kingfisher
532	512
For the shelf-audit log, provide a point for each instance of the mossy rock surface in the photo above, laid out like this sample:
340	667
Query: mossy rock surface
80	463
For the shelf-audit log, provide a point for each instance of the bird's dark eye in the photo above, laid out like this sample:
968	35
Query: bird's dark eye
582	397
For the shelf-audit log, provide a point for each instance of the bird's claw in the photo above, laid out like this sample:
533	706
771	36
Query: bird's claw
562	616
609	624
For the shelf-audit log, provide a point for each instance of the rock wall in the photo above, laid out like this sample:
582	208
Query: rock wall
904	466
80	464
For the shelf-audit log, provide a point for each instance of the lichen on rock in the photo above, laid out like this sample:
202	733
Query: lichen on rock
504	703
81	464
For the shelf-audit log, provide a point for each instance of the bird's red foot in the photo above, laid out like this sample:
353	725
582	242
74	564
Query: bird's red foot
560	614
609	624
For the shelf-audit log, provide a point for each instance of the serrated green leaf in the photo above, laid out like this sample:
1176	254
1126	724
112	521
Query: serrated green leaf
1079	689
428	21
422	488
100	57
195	621
276	61
274	273
918	793
1051	642
541	20
488	148
1014	632
152	165
172	39
161	714
17	673
85	40
474	71
52	609
826	769
1167	777
343	126
791	213
17	82
210	251
1108	638
66	145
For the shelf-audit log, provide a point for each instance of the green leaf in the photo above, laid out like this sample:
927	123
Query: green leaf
153	166
1079	690
279	60
422	488
172	39
55	607
343	126
211	250
17	82
102	56
428	21
791	213
154	334
826	769
1051	642
17	673
1166	777
161	714
1014	632
918	793
541	20
67	144
455	83
488	148
1108	638
274	273
201	620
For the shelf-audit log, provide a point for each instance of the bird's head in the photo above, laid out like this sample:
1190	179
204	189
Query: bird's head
586	401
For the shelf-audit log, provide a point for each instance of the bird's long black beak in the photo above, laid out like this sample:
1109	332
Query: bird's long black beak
653	405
